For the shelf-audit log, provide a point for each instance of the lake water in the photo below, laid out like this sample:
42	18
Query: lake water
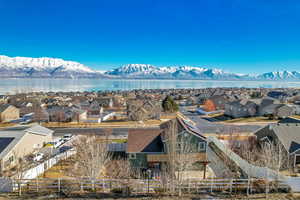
30	85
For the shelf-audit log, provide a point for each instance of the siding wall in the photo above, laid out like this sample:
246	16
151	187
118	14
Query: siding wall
26	145
11	113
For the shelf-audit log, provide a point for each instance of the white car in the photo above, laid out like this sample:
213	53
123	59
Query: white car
38	157
58	143
67	137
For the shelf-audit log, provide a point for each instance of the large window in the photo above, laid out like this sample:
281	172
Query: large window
201	146
11	158
132	156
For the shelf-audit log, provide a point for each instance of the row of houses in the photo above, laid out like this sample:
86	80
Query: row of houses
260	107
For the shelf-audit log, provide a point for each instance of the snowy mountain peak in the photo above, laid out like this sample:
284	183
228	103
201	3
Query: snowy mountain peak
279	75
20	67
173	72
42	64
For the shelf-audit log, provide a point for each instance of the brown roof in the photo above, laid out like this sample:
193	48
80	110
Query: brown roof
138	139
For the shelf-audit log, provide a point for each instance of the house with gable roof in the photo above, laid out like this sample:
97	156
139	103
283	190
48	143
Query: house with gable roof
150	149
287	134
17	142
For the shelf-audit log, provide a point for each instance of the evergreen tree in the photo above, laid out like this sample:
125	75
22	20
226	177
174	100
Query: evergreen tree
169	105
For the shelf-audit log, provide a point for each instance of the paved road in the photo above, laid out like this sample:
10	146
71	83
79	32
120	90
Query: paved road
206	126
116	132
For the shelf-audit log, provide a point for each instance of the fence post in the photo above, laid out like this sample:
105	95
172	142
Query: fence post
81	185
58	185
231	183
267	188
37	184
93	184
248	186
211	185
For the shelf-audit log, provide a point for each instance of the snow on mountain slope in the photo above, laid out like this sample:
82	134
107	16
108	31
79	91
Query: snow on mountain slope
189	72
41	63
179	72
25	67
43	67
280	75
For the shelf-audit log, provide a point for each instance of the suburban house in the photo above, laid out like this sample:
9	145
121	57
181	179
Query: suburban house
66	114
93	108
266	106
15	143
106	102
3	99
285	134
8	113
280	95
241	108
284	111
139	110
152	149
214	103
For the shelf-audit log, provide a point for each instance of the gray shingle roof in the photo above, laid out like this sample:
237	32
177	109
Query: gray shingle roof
4	142
3	107
17	135
40	130
287	134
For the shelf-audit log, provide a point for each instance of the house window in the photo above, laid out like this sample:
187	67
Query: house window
132	156
201	146
11	158
266	141
179	146
165	147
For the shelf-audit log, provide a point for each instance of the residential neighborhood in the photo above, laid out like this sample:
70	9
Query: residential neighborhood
183	136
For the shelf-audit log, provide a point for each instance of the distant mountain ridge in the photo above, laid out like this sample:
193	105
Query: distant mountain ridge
189	72
26	67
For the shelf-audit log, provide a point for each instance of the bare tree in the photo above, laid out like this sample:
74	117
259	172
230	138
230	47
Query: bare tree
119	169
180	149
274	156
20	167
122	171
91	158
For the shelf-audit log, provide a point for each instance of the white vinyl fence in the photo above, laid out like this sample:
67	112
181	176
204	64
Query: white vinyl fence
138	186
42	167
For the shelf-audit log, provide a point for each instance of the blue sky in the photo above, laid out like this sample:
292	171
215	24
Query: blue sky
246	36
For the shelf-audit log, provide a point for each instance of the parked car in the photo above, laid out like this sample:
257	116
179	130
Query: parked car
56	143
67	137
38	157
26	122
64	148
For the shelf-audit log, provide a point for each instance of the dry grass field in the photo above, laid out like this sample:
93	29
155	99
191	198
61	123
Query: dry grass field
250	120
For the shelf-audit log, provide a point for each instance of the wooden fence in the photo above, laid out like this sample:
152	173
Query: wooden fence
137	186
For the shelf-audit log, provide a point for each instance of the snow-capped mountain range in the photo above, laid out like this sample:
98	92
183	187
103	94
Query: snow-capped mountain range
21	67
189	72
25	67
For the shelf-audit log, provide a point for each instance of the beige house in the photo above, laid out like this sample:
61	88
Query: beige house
18	142
8	113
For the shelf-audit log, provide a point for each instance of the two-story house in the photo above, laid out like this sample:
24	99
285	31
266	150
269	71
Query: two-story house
154	148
